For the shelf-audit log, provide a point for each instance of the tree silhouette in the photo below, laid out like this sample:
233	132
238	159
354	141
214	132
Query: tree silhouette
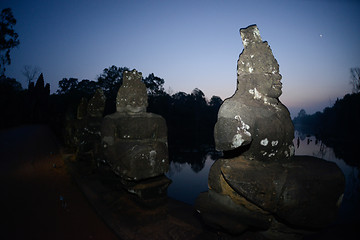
215	102
154	85
9	85
38	101
110	81
8	38
24	106
198	97
30	73
355	79
302	113
67	86
11	102
87	88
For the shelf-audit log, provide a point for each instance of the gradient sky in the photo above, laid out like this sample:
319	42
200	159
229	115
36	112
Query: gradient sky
192	44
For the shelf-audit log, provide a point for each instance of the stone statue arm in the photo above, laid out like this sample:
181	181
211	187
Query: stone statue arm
231	133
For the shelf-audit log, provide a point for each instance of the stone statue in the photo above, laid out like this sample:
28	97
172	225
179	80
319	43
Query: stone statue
260	183
134	142
82	135
86	128
96	105
254	113
81	112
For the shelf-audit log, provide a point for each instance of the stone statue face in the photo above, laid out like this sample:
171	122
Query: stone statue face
263	86
274	86
135	105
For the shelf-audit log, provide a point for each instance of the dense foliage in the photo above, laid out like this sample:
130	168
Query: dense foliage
8	38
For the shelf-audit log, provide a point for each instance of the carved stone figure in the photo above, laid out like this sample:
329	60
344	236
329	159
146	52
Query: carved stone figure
134	142
260	183
254	113
82	134
81	112
96	105
74	124
132	96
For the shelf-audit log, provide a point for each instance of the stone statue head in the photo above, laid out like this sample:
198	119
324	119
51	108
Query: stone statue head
258	71
96	104
132	96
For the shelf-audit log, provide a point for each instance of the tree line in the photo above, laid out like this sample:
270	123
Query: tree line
23	106
190	117
337	126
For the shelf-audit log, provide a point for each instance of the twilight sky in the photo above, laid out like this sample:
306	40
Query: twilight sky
192	44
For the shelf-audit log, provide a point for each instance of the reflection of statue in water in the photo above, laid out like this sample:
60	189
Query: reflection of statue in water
298	142
259	183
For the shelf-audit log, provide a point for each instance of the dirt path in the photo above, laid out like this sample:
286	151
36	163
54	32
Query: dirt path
39	200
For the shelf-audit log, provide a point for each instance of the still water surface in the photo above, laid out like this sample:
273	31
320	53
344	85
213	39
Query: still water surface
189	180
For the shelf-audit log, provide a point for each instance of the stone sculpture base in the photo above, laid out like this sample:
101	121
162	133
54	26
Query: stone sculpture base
83	137
222	213
151	192
298	196
135	145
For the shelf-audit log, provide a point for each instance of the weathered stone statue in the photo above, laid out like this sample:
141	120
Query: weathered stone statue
73	125
83	133
134	142
96	105
260	183
86	128
89	146
81	112
254	113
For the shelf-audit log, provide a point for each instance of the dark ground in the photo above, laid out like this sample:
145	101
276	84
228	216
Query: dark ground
33	181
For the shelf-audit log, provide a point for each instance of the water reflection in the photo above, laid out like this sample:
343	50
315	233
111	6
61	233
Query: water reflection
189	179
350	208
